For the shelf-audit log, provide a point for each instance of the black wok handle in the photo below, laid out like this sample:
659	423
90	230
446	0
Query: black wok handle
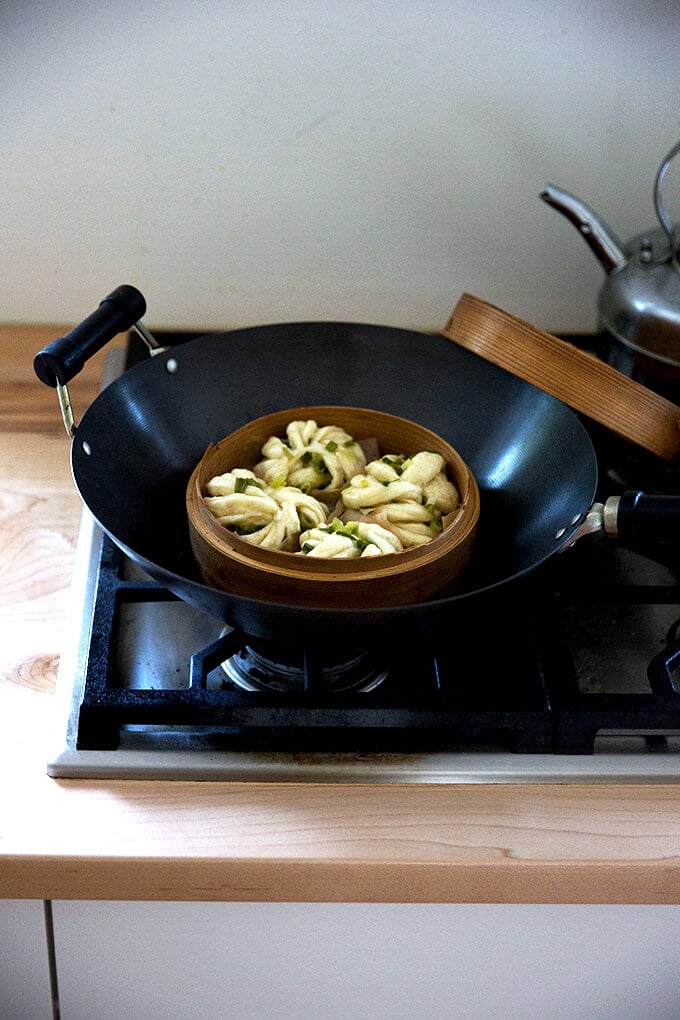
635	516
63	359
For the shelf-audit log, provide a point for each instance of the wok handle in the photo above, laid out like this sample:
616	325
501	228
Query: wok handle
635	516
64	358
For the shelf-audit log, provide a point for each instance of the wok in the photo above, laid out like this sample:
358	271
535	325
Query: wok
140	439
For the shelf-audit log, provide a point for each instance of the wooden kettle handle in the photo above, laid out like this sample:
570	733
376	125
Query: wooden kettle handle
582	381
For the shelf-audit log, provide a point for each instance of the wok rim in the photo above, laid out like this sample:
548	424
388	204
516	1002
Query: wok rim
430	608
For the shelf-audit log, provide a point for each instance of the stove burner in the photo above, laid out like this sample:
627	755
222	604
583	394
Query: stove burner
255	668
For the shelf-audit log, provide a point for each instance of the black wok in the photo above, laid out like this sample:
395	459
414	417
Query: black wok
138	442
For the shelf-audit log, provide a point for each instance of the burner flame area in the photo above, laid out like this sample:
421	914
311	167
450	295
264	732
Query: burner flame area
271	668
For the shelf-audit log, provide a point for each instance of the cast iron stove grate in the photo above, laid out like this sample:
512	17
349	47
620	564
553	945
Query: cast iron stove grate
585	705
509	680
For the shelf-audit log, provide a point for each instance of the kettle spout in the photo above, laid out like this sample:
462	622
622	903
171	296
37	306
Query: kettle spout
602	241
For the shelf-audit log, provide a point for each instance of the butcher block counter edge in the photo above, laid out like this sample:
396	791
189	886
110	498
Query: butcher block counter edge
78	839
215	879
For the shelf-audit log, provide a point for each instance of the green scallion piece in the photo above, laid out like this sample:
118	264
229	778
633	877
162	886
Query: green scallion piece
248	530
396	463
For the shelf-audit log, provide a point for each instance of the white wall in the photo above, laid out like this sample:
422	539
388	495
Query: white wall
259	160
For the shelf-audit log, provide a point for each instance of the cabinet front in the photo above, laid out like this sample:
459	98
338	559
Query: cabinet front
25	992
384	961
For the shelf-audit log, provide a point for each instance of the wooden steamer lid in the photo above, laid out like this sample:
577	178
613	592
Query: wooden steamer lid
578	379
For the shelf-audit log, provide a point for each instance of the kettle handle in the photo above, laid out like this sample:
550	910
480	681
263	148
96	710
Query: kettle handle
578	379
664	219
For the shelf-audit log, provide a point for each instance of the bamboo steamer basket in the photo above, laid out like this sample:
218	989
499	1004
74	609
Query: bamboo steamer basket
229	562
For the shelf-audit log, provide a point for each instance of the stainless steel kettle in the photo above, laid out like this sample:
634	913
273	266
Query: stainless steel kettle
639	302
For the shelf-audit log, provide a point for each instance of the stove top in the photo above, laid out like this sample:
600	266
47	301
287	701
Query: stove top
571	679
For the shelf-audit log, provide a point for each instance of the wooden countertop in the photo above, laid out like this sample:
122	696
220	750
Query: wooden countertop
101	839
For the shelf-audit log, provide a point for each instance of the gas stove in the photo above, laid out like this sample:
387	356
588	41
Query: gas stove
573	677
